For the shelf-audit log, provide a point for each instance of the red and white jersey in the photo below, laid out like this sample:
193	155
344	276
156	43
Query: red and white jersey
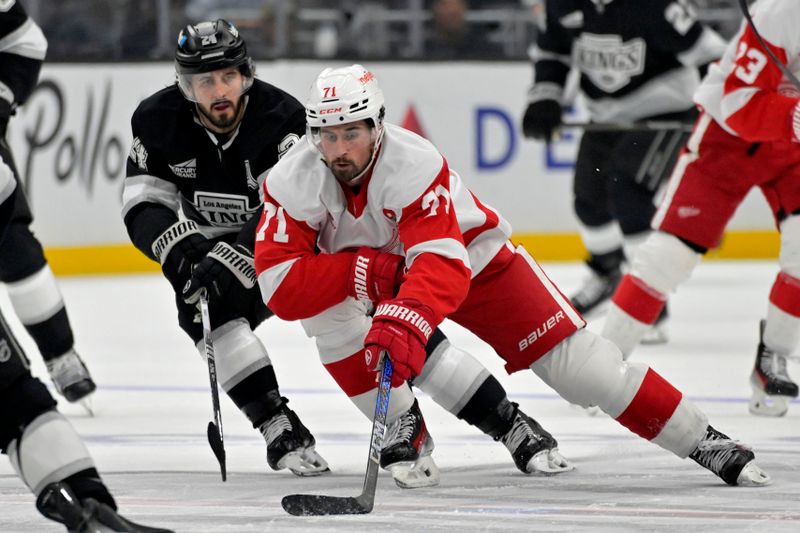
746	92
411	204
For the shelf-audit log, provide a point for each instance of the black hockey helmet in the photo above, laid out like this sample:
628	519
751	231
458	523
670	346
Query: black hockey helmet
209	46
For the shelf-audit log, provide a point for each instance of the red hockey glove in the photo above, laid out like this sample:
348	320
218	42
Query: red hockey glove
402	328
373	275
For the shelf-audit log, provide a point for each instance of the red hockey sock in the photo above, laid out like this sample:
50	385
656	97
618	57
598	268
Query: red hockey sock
785	294
651	407
638	299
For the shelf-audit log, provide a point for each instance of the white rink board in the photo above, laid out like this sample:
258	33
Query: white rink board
71	139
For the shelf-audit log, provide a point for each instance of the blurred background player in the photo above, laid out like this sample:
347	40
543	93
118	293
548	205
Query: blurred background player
191	201
44	449
635	64
747	136
31	285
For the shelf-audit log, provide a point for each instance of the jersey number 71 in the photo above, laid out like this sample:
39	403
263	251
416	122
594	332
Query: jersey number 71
272	211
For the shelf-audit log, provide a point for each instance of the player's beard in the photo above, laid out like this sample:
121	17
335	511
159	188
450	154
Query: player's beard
347	174
226	121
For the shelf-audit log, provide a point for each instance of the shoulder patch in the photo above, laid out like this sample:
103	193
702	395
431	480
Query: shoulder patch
138	154
287	142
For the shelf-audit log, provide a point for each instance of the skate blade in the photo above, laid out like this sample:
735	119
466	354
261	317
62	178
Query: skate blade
592	410
752	476
421	473
549	463
762	404
87	402
307	463
657	334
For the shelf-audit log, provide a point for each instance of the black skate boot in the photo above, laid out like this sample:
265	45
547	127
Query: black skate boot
773	389
70	376
598	288
291	445
407	451
728	459
59	503
534	450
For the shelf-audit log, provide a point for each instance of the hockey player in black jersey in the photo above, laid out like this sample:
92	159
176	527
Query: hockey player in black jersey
191	202
202	147
638	61
44	449
31	285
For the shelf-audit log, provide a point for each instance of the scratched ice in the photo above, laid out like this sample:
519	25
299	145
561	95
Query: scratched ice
148	437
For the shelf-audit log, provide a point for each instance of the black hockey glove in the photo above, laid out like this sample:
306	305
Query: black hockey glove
226	270
541	119
177	249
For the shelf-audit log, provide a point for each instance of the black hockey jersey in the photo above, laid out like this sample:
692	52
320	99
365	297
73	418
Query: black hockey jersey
176	163
22	50
636	58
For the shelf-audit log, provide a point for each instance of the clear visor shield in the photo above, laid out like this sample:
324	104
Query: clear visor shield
208	86
334	141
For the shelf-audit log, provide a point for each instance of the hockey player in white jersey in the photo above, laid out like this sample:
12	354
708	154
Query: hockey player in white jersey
747	137
358	189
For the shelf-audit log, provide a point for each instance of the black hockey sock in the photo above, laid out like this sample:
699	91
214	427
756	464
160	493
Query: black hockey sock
489	409
87	484
607	263
53	336
257	396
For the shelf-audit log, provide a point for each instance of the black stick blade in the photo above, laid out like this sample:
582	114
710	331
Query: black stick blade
318	505
215	441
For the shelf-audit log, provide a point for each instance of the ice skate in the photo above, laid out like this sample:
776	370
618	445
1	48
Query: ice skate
659	332
773	389
72	379
291	445
57	502
407	451
596	290
730	460
534	450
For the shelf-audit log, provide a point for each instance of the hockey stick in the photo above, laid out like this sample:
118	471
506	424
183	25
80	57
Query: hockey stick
214	430
645	125
788	73
317	504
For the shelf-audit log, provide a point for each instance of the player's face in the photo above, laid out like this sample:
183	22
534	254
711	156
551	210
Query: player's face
219	98
347	149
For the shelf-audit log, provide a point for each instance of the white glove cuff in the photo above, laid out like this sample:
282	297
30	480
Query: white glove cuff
167	240
238	262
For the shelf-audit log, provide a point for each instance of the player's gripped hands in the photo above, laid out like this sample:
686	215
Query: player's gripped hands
402	327
374	275
179	248
221	272
542	118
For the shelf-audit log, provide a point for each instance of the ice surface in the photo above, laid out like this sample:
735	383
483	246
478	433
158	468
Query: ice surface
153	405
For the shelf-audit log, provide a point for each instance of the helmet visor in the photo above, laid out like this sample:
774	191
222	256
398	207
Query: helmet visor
347	138
196	86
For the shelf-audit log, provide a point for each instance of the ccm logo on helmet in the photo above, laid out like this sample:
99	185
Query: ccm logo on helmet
330	110
369	76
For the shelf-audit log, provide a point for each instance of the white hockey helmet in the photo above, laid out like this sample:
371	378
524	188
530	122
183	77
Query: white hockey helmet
344	95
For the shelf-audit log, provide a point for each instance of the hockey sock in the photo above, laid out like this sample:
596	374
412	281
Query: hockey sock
639	300
87	484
